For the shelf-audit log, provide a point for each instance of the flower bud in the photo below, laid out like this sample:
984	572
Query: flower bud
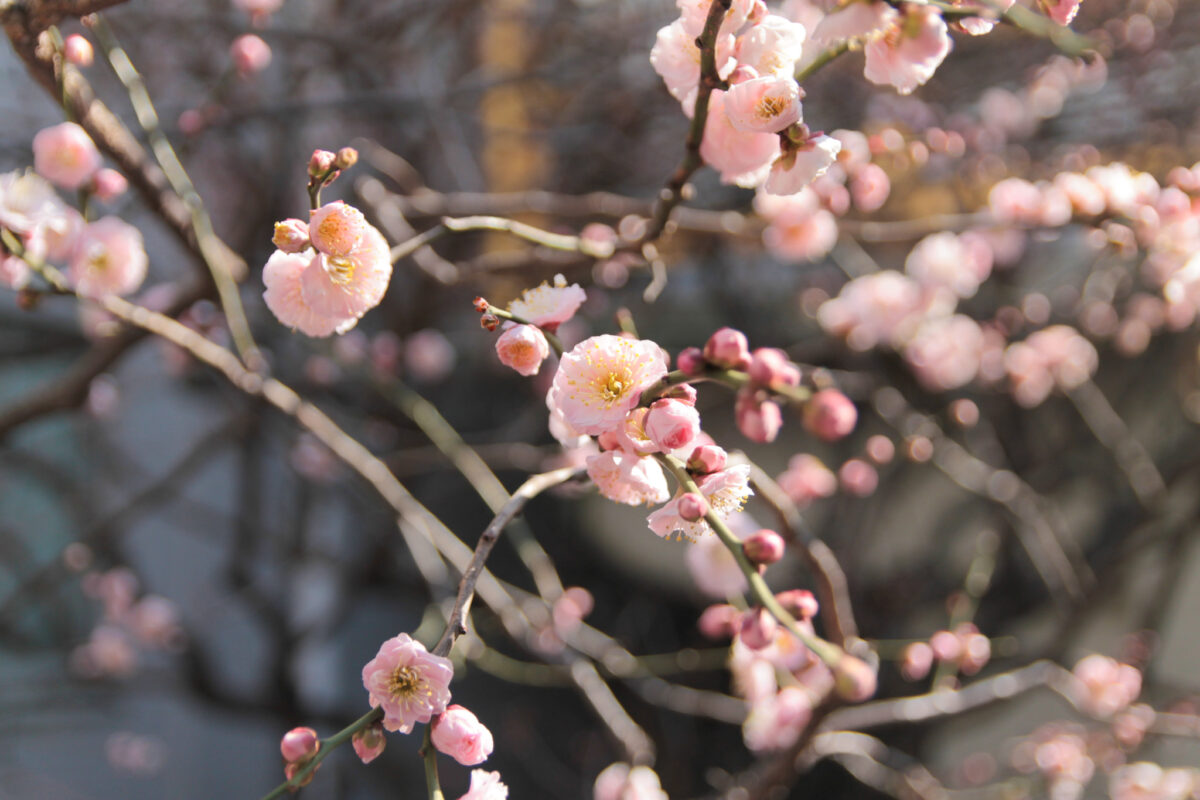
291	235
946	646
719	621
524	348
292	768
369	742
78	51
250	54
707	458
489	322
758	419
480	305
321	163
693	507
690	361
853	678
299	744
684	393
916	661
858	477
347	157
770	367
800	603
459	734
672	424
108	184
764	547
728	348
830	415
757	628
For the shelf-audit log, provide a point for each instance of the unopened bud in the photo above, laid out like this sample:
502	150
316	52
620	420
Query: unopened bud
321	163
78	51
299	744
693	507
916	661
291	235
347	157
728	348
771	367
764	547
719	621
108	184
830	415
480	304
291	769
707	458
854	679
800	603
489	322
758	628
369	742
690	361
683	392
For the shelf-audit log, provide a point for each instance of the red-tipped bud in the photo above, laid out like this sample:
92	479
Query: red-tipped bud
728	348
693	507
690	361
299	745
369	742
672	424
707	458
489	322
853	679
916	661
830	415
757	628
770	367
800	603
347	157
78	51
321	163
480	304
719	621
764	547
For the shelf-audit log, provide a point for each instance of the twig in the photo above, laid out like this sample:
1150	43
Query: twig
875	764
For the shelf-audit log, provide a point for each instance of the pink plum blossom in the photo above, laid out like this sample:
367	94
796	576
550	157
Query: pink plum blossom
882	307
410	683
601	380
729	348
65	155
459	734
335	229
855	20
713	568
945	352
626	478
109	184
830	415
758	418
250	54
344	287
978	26
1054	357
1062	11
807	479
1105	685
631	435
524	348
798	229
693	14
960	263
764	105
369	742
299	744
672	424
772	47
285	298
109	258
770	367
742	157
549	306
870	187
78	51
908	54
621	782
485	786
291	236
801	165
726	492
676	58
776	721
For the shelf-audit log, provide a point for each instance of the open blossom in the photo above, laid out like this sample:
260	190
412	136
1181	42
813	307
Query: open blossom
524	348
626	478
602	379
485	786
742	157
1057	356
284	297
772	47
1106	686
801	165
776	721
726	492
459	734
855	20
764	105
410	683
65	155
807	479
910	51
676	58
109	258
345	287
335	228
883	307
693	14
960	263
549	306
798	228
945	352
31	208
713	568
621	782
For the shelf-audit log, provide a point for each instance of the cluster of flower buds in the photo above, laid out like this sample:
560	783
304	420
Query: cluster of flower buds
299	746
325	166
523	345
965	648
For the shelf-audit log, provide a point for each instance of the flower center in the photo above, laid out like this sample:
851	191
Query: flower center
770	107
404	683
340	269
612	387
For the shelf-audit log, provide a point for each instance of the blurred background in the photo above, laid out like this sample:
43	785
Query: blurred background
185	575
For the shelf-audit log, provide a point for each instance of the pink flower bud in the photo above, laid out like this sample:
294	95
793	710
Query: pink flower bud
690	361
291	235
880	449
299	744
693	507
672	424
719	621
916	661
608	440
524	348
321	162
369	742
757	628
946	646
684	393
764	547
853	679
770	367
758	419
78	51
706	459
858	477
459	734
830	415
728	348
65	155
336	228
347	157
976	648
250	54
292	768
108	184
799	603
